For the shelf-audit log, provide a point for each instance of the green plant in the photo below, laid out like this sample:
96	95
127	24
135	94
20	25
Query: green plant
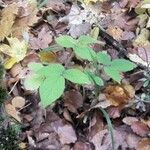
80	46
82	49
113	68
50	80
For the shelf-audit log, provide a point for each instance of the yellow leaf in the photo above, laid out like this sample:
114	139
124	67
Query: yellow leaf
48	57
88	1
16	50
8	63
8	16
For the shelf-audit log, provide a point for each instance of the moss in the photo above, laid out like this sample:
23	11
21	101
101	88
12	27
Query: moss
3	92
1	71
3	95
8	139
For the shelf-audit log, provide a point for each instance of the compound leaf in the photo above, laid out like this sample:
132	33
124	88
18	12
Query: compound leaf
33	82
122	65
84	52
66	41
114	74
51	89
76	76
103	58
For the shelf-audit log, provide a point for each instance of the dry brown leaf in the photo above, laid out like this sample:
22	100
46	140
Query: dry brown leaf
16	69
123	140
119	94
48	57
144	144
42	41
129	120
140	128
115	32
11	110
22	24
147	122
114	112
18	102
67	134
73	100
79	145
8	16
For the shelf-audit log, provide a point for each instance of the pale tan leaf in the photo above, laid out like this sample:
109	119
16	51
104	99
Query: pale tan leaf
8	16
10	109
18	102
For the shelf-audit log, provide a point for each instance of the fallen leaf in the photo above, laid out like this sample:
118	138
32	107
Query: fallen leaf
66	134
47	57
15	70
16	50
147	122
130	120
79	145
144	144
142	40
18	102
140	128
89	1
123	140
114	112
8	16
42	41
73	100
119	94
23	23
115	32
11	110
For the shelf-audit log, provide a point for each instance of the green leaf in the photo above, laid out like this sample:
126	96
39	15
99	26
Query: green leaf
114	74
122	65
33	81
84	52
95	79
51	89
35	66
103	58
51	70
85	40
66	41
76	76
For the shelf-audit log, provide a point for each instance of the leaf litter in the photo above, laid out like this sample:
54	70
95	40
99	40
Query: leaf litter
27	33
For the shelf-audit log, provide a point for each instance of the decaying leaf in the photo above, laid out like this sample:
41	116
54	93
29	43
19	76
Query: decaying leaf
115	32
16	50
89	1
48	57
11	110
119	95
144	144
18	102
42	41
23	23
142	39
129	120
73	100
140	128
8	16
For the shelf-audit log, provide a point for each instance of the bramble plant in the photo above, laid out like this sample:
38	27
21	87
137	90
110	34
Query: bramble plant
50	79
82	49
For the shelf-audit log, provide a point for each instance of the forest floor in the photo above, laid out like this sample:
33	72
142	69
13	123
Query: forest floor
114	114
